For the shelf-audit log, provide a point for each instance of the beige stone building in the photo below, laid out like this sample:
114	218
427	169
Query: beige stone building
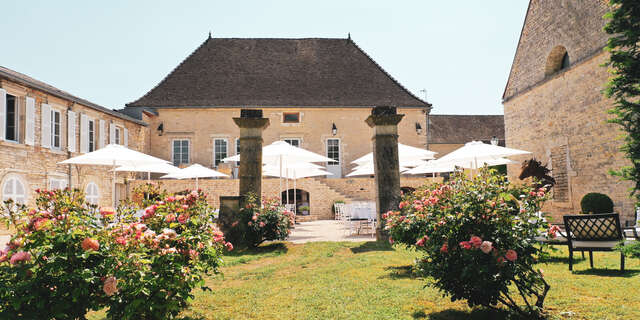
41	125
446	133
554	106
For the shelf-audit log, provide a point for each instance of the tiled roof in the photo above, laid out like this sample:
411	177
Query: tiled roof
309	72
49	89
457	129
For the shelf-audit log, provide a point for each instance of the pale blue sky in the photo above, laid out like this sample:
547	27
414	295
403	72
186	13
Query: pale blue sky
112	52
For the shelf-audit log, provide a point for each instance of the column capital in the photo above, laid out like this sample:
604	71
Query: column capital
252	123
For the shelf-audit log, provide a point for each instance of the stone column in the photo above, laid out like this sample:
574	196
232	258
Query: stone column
384	121
251	124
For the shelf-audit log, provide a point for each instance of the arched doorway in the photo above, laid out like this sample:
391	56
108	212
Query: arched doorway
299	198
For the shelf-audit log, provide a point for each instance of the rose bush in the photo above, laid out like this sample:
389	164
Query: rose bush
53	265
156	261
68	257
477	235
259	222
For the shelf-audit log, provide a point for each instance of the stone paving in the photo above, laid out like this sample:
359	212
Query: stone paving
325	230
3	241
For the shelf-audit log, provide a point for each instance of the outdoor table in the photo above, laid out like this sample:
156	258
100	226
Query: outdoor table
362	211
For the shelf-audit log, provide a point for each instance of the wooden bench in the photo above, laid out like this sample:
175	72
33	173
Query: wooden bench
593	232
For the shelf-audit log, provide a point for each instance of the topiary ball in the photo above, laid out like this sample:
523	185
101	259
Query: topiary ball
596	203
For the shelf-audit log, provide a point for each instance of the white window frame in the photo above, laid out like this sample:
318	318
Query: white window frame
215	154
339	162
16	124
15	180
53	129
91	135
118	135
284	114
173	151
90	197
57	183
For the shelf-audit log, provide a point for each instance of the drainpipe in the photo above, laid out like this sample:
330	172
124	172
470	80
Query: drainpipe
68	152
428	128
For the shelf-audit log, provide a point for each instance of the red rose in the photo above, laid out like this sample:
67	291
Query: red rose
444	248
90	244
107	211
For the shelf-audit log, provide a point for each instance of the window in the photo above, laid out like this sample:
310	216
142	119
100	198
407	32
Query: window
55	183
180	152
92	135
557	60
219	151
14	189
118	135
11	124
92	195
237	150
55	129
333	151
291	117
293	141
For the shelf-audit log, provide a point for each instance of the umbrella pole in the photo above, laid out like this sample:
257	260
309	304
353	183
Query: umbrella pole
287	180
280	181
196	183
113	185
295	194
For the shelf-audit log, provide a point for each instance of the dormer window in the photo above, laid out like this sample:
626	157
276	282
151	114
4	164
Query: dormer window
557	60
291	117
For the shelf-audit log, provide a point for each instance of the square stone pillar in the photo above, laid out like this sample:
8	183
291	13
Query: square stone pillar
384	121
251	124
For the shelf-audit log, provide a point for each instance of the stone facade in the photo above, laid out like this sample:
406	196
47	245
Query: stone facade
35	166
561	116
322	192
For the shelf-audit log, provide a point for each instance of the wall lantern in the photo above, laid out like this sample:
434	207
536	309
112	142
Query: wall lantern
418	128
160	129
334	129
494	141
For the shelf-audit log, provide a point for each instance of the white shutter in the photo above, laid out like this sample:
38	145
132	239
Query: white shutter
102	134
126	137
30	122
71	131
84	133
3	113
112	133
45	126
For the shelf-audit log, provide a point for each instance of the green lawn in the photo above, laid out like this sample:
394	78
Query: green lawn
344	280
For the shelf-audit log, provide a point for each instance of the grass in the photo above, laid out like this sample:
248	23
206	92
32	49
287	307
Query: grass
343	280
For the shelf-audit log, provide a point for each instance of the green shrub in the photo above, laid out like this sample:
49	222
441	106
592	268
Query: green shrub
477	239
595	203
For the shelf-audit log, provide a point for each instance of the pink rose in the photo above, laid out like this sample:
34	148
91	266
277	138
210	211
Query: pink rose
169	233
170	199
107	211
511	255
261	224
390	240
418	207
420	243
229	246
20	256
170	217
254	218
90	244
500	260
444	248
121	241
110	286
553	230
183	218
465	245
486	247
249	223
476	241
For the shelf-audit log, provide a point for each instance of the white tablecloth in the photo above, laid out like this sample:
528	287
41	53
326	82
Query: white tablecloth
362	210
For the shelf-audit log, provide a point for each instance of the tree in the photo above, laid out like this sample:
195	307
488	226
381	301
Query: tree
624	86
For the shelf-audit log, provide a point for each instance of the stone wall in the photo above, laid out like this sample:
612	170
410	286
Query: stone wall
322	192
201	126
563	121
575	25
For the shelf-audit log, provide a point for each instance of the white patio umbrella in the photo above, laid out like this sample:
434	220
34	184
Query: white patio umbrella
148	168
408	156
434	166
297	171
367	170
114	155
475	152
284	155
195	171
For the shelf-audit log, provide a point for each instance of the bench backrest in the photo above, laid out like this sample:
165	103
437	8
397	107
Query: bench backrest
593	227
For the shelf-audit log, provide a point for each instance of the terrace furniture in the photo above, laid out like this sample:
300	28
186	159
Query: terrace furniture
339	209
593	232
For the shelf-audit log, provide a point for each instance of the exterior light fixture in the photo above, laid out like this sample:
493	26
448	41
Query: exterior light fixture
418	128
494	141
160	129
334	129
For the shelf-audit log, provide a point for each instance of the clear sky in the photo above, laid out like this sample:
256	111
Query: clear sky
112	52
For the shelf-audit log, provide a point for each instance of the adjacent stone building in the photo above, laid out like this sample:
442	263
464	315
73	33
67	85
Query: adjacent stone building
41	125
554	106
446	133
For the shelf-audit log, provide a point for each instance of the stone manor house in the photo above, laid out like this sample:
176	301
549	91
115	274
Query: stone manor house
316	93
554	106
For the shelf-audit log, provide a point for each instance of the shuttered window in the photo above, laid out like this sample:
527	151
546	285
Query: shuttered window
11	118
91	130
71	131
92	194
55	129
180	152
30	126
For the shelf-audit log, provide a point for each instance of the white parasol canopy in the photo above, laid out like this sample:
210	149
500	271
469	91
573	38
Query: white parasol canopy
114	155
295	172
195	171
148	168
407	155
475	153
367	170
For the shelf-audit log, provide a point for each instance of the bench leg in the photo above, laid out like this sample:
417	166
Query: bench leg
621	261
570	259
591	258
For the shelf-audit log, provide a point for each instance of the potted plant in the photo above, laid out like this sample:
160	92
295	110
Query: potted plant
304	210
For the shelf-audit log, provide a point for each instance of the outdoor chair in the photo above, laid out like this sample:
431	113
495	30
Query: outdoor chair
348	225
339	210
593	232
